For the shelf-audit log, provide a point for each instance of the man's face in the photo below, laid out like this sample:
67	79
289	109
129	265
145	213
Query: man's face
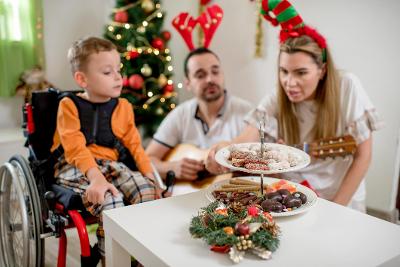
205	77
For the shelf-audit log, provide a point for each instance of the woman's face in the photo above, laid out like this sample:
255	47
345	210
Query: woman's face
299	76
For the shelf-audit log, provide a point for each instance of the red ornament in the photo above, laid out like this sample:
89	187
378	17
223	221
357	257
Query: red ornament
204	2
252	211
157	43
133	54
169	88
125	81
242	228
166	35
136	81
121	16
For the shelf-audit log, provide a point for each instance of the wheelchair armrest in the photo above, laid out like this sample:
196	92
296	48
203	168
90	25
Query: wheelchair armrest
67	197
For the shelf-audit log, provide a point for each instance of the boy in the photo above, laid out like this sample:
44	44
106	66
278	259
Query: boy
92	127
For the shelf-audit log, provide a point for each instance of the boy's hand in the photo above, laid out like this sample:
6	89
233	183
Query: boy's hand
98	186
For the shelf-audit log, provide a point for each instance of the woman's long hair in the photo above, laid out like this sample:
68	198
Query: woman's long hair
327	95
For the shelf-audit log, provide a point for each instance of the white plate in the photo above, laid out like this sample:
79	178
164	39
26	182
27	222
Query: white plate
311	196
223	154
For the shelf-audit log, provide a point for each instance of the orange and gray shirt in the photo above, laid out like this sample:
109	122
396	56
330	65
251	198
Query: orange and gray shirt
78	153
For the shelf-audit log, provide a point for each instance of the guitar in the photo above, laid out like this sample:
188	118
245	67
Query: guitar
323	148
193	152
331	147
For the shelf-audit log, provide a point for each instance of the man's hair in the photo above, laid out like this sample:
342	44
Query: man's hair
79	52
196	52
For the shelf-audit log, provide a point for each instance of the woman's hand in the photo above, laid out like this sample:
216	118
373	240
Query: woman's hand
211	165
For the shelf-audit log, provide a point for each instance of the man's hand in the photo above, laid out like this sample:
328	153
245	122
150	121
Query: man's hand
187	169
211	165
98	186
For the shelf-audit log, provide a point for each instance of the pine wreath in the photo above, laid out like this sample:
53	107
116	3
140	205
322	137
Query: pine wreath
228	231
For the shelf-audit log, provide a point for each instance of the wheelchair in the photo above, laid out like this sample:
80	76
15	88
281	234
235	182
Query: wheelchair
32	206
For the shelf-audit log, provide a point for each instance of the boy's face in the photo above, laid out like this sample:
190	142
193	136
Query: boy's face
101	77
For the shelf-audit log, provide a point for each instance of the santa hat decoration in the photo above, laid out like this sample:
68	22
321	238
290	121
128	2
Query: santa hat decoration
282	12
209	21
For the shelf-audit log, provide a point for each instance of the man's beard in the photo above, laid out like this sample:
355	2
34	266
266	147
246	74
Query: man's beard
214	96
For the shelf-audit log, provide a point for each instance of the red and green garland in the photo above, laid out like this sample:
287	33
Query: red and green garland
236	232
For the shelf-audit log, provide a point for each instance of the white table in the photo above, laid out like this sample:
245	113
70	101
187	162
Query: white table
156	233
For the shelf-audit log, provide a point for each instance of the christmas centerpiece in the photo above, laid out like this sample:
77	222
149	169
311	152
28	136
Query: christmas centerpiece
236	231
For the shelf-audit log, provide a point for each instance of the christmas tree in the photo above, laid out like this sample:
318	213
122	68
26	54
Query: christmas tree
136	29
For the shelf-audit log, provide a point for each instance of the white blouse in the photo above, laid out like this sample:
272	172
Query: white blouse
359	118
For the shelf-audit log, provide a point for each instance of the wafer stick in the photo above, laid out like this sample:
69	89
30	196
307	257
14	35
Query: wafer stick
238	181
236	185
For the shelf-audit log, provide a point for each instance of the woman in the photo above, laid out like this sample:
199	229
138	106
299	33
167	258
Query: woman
314	101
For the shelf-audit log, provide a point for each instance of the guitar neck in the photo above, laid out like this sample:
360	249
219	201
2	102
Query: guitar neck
330	147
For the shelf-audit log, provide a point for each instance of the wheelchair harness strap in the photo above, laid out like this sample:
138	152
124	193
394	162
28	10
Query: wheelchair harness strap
95	120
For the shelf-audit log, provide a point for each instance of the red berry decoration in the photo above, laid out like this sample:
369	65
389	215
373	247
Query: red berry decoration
133	54
242	228
157	43
169	88
136	81
125	81
121	16
166	35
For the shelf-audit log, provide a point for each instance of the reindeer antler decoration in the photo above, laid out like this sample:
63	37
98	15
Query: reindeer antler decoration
209	21
184	24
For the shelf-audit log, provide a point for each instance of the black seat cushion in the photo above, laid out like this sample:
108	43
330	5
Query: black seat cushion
67	197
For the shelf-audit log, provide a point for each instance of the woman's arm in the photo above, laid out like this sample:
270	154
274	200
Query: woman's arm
355	174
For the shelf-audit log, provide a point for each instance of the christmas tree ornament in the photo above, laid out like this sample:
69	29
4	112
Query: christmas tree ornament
141	29
159	111
157	43
133	54
281	12
209	21
121	16
166	35
125	81
148	5
136	81
169	88
162	80
146	70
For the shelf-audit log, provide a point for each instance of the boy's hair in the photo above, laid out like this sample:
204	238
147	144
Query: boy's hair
195	52
79	52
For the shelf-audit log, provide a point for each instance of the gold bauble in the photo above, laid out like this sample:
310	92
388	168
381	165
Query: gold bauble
162	80
146	70
159	111
141	29
148	5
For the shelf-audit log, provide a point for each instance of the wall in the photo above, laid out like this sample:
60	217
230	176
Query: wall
363	34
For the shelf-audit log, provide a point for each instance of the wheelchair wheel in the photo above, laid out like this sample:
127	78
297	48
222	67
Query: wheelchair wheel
20	216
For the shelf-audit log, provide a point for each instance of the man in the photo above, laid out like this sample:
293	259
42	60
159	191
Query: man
210	117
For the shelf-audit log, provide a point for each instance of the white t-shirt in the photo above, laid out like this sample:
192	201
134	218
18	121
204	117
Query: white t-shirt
182	125
358	118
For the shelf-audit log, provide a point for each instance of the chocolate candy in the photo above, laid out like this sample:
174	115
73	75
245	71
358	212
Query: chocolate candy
271	206
275	196
300	195
292	202
284	193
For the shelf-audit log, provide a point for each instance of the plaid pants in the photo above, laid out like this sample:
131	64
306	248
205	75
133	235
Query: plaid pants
133	187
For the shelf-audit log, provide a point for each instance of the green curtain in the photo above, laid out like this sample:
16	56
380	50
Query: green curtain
21	41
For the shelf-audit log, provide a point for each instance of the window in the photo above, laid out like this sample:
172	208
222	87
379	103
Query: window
21	45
